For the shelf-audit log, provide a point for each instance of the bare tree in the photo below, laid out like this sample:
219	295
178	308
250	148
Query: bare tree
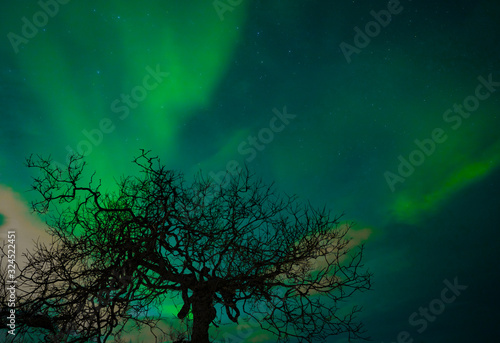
236	246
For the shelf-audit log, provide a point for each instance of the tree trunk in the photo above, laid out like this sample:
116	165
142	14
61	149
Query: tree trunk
203	315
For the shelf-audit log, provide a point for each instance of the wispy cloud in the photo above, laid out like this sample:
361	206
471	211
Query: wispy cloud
18	218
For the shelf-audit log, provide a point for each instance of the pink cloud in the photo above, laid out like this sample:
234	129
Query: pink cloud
18	217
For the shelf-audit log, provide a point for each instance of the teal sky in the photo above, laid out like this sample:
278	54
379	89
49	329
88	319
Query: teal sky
194	85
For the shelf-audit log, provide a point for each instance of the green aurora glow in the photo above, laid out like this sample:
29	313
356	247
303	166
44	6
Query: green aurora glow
226	76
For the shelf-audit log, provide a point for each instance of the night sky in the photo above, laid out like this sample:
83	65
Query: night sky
394	122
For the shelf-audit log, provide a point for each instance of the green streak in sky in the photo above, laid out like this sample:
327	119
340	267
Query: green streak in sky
91	55
227	153
415	202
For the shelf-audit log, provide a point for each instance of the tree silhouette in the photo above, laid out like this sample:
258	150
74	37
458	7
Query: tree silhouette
237	249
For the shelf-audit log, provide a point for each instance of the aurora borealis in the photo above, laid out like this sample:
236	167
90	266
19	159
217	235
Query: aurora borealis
402	135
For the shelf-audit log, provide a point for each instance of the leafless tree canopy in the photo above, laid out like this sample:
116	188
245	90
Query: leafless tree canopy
239	247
